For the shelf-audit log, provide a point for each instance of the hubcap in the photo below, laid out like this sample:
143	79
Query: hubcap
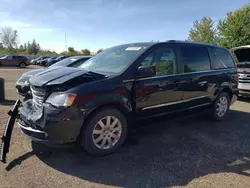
222	106
107	132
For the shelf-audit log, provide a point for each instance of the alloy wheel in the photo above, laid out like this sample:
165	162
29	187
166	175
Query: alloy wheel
222	106
107	132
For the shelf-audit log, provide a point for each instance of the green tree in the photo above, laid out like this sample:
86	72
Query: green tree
100	50
203	31
21	48
64	53
33	48
85	51
71	50
234	30
25	47
47	53
8	37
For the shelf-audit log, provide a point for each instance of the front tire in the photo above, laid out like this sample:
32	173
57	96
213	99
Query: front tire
104	132
221	107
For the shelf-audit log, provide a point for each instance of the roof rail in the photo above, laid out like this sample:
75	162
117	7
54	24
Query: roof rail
191	42
171	41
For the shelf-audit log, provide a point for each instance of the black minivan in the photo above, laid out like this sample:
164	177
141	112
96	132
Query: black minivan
96	103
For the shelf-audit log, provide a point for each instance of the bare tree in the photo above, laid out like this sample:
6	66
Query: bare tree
8	37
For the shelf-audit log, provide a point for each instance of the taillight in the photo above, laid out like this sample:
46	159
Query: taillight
235	78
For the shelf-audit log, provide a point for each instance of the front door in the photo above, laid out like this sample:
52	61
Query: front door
159	94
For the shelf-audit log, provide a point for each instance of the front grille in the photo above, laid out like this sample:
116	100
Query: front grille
38	95
244	78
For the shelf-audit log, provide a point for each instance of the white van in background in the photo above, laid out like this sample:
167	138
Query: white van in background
242	58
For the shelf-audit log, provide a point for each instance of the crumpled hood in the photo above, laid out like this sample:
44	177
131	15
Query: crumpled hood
56	76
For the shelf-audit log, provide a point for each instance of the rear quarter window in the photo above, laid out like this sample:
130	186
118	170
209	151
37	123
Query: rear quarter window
222	59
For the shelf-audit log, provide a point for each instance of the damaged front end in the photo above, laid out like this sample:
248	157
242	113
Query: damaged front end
43	122
51	113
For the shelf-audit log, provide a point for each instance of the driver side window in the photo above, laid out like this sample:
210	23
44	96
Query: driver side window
164	60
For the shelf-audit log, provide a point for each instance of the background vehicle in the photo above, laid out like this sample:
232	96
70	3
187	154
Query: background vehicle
242	57
45	61
33	61
41	59
14	60
96	102
22	84
53	61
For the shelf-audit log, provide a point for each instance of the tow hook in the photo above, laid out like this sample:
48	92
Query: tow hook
6	137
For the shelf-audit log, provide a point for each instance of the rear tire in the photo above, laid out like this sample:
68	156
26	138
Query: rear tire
22	65
221	106
104	132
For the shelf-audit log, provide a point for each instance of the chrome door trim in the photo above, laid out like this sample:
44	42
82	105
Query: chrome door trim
172	103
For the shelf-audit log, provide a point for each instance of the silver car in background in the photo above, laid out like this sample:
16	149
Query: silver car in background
22	84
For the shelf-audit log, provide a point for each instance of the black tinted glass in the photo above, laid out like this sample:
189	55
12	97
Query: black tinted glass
195	58
222	58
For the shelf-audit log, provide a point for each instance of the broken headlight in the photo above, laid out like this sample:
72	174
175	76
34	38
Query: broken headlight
61	99
24	79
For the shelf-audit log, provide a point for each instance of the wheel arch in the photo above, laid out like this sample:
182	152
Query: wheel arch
228	91
225	88
124	109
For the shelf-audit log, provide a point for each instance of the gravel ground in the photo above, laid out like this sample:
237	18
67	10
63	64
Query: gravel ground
188	152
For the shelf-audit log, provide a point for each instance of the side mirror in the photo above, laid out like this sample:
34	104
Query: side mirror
146	71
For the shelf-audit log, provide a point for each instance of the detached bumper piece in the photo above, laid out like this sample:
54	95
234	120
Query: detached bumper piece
5	140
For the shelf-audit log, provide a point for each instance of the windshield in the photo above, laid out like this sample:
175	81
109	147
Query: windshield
4	57
67	61
116	59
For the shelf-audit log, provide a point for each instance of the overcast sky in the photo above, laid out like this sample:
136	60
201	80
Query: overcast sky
98	24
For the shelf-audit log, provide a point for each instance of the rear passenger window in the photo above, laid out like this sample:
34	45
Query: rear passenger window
222	58
16	58
195	59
